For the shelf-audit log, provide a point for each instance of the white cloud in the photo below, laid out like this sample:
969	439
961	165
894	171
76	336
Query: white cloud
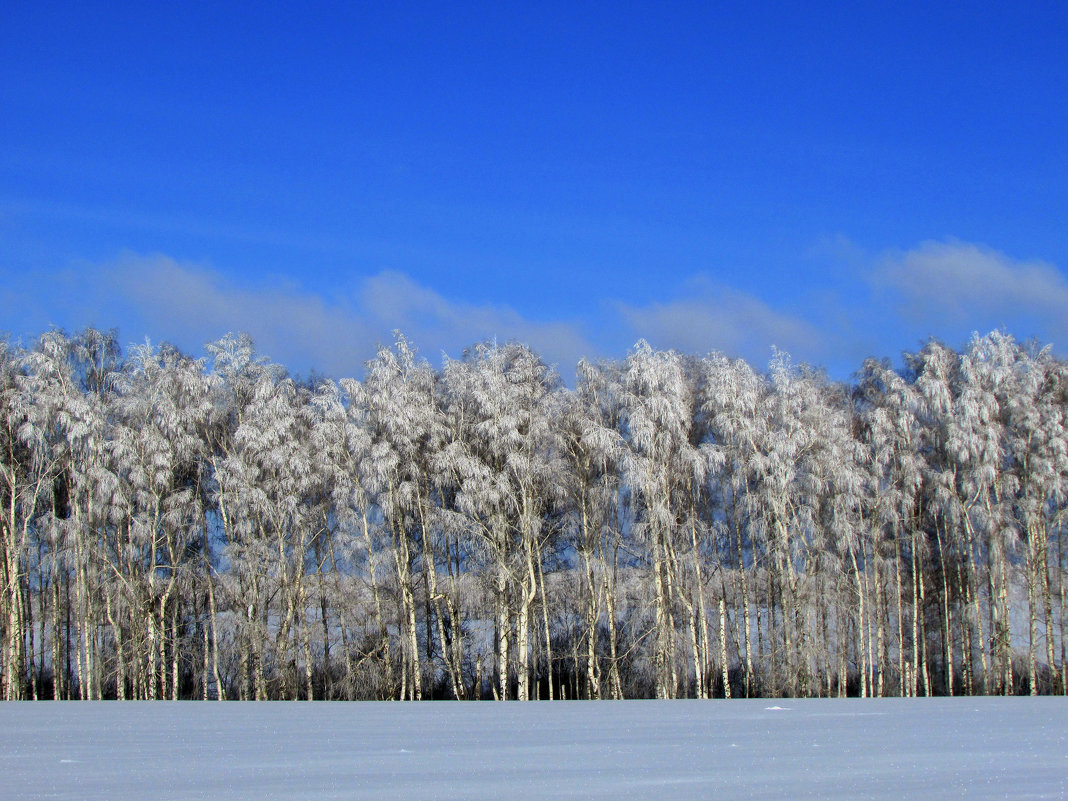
949	284
428	317
881	305
719	318
190	304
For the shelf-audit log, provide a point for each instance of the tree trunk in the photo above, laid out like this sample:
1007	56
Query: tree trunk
503	630
529	590
723	647
745	614
947	631
548	633
664	683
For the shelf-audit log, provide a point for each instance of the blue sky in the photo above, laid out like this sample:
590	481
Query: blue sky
838	182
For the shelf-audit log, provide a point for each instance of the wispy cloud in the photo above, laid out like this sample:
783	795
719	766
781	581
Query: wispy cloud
714	317
190	304
940	286
880	304
396	301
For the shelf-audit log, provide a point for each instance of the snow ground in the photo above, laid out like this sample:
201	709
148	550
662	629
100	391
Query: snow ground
976	748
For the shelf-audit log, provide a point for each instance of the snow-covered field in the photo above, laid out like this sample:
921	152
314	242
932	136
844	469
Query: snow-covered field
852	749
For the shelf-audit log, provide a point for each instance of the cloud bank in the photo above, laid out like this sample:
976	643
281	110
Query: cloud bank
951	288
891	303
191	304
712	316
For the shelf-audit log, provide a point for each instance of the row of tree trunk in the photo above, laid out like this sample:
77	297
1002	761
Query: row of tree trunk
671	526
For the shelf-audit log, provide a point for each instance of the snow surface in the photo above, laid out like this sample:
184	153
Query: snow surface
786	749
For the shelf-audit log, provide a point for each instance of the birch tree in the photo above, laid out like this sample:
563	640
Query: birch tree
504	457
158	456
29	464
664	465
593	450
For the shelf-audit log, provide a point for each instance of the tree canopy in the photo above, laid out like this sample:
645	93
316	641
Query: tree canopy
673	525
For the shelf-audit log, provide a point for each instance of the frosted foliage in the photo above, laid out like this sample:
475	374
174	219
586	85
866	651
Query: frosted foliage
503	453
674	525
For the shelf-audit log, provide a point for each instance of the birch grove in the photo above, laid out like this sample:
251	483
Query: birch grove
674	525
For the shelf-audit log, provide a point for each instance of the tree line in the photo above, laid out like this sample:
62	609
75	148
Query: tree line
673	526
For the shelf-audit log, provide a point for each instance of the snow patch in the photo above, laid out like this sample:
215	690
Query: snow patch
608	751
